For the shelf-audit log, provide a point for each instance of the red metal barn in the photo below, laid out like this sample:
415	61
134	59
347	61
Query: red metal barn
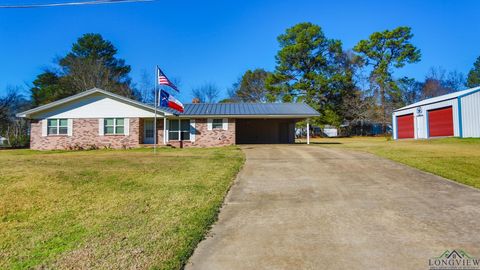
456	114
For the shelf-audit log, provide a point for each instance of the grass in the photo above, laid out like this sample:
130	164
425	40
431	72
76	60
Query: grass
109	209
453	158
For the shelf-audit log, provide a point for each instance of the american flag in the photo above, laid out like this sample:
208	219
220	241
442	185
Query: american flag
163	80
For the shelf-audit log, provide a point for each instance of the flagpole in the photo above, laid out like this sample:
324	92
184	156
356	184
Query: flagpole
155	121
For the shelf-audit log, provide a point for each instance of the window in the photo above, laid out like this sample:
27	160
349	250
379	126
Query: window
114	126
57	126
173	130
217	123
179	130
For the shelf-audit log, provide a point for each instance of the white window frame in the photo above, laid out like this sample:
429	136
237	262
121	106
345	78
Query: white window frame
213	124
58	127
179	131
114	126
224	125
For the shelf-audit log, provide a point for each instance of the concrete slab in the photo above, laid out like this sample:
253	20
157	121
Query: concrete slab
308	207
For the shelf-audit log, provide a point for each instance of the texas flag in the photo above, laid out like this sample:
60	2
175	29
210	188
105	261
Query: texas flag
167	100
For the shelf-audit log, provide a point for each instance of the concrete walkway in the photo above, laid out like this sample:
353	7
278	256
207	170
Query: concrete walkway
309	207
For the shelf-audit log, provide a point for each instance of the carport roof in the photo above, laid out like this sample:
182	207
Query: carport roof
249	109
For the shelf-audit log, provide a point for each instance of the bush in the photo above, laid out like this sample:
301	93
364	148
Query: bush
20	141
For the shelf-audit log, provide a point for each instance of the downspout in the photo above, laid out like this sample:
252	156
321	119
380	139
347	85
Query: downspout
460	124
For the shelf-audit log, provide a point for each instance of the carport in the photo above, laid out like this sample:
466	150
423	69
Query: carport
265	131
246	123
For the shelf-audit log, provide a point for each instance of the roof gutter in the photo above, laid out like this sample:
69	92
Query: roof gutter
246	116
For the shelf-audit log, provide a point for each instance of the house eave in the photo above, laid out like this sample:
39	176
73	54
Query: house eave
29	113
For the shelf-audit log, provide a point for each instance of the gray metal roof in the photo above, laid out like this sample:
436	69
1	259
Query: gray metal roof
200	109
245	109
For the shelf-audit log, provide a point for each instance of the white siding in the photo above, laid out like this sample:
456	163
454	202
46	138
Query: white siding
394	126
96	106
421	122
471	115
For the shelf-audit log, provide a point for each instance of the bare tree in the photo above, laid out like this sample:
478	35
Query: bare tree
438	82
358	106
359	110
87	73
455	81
12	128
147	87
411	89
207	93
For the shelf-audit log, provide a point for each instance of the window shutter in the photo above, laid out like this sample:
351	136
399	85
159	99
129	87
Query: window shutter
192	130
100	127
225	123
70	127
44	127
126	128
209	123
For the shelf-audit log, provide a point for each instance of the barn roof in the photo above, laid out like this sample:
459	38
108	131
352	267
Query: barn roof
441	98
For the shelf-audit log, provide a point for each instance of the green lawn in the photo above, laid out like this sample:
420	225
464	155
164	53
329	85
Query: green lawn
125	209
453	158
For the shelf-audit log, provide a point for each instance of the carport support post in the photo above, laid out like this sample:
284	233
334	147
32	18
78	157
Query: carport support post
164	130
308	131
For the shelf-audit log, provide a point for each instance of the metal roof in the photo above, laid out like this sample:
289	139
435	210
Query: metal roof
199	109
440	98
246	109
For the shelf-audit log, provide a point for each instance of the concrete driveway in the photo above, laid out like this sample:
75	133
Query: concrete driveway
309	207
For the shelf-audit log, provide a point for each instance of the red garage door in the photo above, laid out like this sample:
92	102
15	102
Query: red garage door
440	122
405	128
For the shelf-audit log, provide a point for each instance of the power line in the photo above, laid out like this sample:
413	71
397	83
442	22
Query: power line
93	2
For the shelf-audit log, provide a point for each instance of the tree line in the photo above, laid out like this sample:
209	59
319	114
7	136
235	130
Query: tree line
347	86
344	85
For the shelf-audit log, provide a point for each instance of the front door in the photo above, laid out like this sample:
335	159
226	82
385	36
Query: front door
420	127
148	131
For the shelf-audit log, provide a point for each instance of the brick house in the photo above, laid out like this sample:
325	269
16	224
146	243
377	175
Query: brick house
98	118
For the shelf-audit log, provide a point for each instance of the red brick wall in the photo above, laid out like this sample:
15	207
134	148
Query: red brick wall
85	135
208	138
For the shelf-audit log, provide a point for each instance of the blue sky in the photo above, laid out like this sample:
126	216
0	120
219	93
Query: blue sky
216	41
